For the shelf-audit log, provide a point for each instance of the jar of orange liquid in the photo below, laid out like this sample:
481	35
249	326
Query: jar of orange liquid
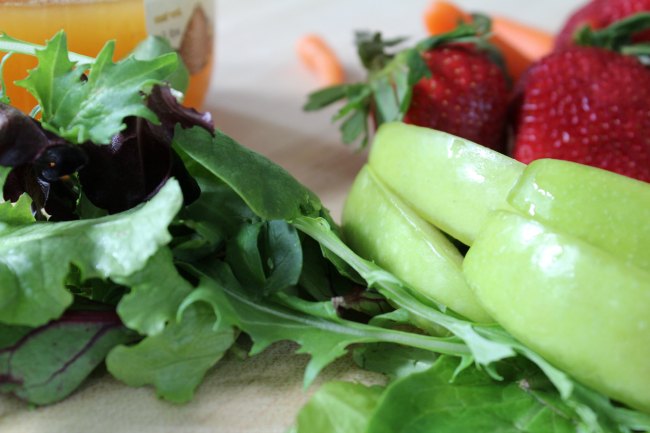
187	24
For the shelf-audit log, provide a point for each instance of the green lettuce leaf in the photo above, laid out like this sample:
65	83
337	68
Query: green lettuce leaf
36	258
157	291
438	401
176	360
93	109
338	407
155	46
16	214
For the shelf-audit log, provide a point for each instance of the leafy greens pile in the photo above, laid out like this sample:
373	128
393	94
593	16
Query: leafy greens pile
135	234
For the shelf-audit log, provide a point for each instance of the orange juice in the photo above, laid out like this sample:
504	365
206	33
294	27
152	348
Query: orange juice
89	24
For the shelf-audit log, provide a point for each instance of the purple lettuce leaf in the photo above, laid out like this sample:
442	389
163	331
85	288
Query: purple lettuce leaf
114	177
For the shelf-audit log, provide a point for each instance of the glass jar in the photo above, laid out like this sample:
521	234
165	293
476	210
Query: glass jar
187	24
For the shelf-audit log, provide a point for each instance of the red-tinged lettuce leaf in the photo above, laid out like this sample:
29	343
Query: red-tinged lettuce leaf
81	110
21	137
35	259
175	360
267	188
45	364
338	407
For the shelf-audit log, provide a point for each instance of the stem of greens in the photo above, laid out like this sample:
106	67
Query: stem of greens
11	45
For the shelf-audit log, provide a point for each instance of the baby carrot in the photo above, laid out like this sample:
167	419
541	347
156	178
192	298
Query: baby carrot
442	17
317	55
520	44
530	41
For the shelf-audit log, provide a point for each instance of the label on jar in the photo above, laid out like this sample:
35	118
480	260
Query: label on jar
188	25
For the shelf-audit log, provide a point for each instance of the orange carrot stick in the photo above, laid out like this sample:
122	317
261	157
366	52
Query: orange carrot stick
442	17
532	42
516	61
317	55
520	44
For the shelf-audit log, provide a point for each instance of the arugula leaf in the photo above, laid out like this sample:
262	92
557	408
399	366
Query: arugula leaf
392	360
80	110
487	344
35	259
325	339
430	401
175	360
46	364
484	351
338	407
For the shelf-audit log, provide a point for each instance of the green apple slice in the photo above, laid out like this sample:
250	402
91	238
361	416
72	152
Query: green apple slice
604	208
381	227
449	181
584	309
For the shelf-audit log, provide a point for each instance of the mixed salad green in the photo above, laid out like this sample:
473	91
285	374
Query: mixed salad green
137	235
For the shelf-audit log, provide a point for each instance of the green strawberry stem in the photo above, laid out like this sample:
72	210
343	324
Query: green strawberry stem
617	36
387	93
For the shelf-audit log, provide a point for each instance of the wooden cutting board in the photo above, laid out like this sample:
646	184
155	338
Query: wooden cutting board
257	94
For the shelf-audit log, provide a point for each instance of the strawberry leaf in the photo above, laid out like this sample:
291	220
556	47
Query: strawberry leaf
355	126
387	93
80	110
325	97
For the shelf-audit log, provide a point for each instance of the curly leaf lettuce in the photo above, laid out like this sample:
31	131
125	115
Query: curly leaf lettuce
36	258
80	109
175	360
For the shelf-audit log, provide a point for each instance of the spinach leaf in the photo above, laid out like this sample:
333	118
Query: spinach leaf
270	192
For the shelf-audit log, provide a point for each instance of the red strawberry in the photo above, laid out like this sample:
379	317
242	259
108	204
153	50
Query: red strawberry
587	105
598	14
440	83
466	95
